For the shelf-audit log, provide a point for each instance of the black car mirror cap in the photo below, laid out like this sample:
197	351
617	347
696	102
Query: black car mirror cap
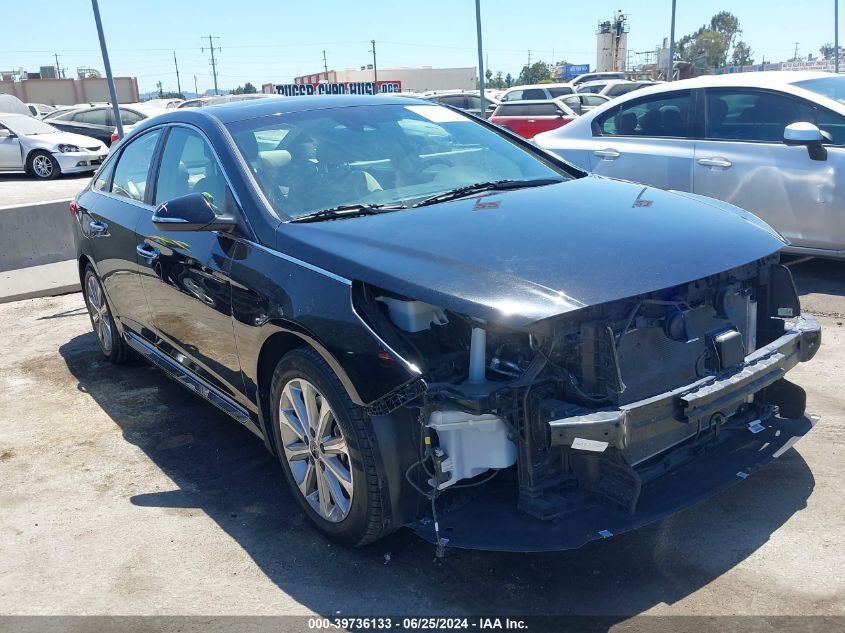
192	212
808	135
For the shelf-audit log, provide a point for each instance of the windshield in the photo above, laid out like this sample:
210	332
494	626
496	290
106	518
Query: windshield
27	126
377	155
831	87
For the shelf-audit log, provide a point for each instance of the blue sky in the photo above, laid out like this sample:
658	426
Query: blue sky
274	40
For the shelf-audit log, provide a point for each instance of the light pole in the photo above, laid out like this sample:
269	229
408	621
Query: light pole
375	69
480	58
836	35
671	70
109	77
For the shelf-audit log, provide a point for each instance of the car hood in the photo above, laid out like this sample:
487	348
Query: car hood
50	141
519	256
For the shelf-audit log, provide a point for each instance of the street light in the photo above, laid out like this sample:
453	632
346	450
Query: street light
671	70
480	58
109	76
836	36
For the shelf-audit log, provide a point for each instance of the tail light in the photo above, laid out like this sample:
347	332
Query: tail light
73	208
114	137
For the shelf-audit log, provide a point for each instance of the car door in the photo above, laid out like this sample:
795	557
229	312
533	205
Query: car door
10	149
647	140
185	274
741	159
95	122
119	197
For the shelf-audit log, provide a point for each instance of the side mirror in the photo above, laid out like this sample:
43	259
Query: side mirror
5	134
193	212
808	135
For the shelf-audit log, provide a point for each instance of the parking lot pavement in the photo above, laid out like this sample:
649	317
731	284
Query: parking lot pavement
20	189
122	493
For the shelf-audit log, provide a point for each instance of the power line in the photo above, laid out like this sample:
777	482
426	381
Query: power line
211	48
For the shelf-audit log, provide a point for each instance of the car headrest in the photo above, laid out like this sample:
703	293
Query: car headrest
274	158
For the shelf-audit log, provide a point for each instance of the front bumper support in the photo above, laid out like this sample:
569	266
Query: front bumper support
644	428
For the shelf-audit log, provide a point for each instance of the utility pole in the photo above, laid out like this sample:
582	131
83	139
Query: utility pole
213	61
195	86
480	58
178	83
109	76
795	56
670	72
59	72
325	64
836	36
375	68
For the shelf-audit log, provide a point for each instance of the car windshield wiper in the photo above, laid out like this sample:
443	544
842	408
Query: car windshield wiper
494	185
347	211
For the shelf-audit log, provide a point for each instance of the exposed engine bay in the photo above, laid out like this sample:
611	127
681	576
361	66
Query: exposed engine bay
589	407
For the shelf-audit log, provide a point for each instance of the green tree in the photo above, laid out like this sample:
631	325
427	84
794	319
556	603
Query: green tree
508	80
741	55
246	89
708	46
537	72
828	50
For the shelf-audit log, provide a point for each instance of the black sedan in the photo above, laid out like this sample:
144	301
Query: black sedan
434	324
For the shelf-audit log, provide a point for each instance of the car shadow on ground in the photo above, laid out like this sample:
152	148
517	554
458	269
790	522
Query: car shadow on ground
819	277
24	177
222	469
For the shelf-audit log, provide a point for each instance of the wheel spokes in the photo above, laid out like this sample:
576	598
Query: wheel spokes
338	473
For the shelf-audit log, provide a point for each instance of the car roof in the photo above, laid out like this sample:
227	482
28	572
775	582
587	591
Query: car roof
257	108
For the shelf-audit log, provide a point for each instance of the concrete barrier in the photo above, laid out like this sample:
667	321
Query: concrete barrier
35	234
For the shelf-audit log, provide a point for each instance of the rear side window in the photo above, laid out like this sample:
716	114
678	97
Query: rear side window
513	95
93	117
133	167
130	118
754	115
560	91
101	182
665	115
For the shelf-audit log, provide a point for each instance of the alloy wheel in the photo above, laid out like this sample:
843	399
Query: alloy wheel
315	450
99	311
42	166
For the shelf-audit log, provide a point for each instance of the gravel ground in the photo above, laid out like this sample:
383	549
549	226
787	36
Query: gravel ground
122	493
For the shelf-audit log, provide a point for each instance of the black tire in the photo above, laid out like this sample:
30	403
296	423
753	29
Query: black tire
47	167
117	351
364	522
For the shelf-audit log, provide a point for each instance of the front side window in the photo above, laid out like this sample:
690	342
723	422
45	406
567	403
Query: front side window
377	155
513	95
732	115
560	91
188	165
665	115
534	93
133	167
752	115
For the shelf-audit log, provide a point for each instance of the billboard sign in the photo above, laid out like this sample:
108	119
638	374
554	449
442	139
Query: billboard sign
568	71
339	88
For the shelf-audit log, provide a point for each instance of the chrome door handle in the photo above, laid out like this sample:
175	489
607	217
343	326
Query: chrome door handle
147	252
97	228
723	163
607	154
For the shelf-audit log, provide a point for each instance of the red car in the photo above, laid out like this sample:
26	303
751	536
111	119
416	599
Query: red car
528	118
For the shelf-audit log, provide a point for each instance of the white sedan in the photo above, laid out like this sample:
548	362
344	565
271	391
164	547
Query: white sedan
27	144
772	143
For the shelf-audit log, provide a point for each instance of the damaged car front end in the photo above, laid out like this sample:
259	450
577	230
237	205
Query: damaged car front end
601	420
594	421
